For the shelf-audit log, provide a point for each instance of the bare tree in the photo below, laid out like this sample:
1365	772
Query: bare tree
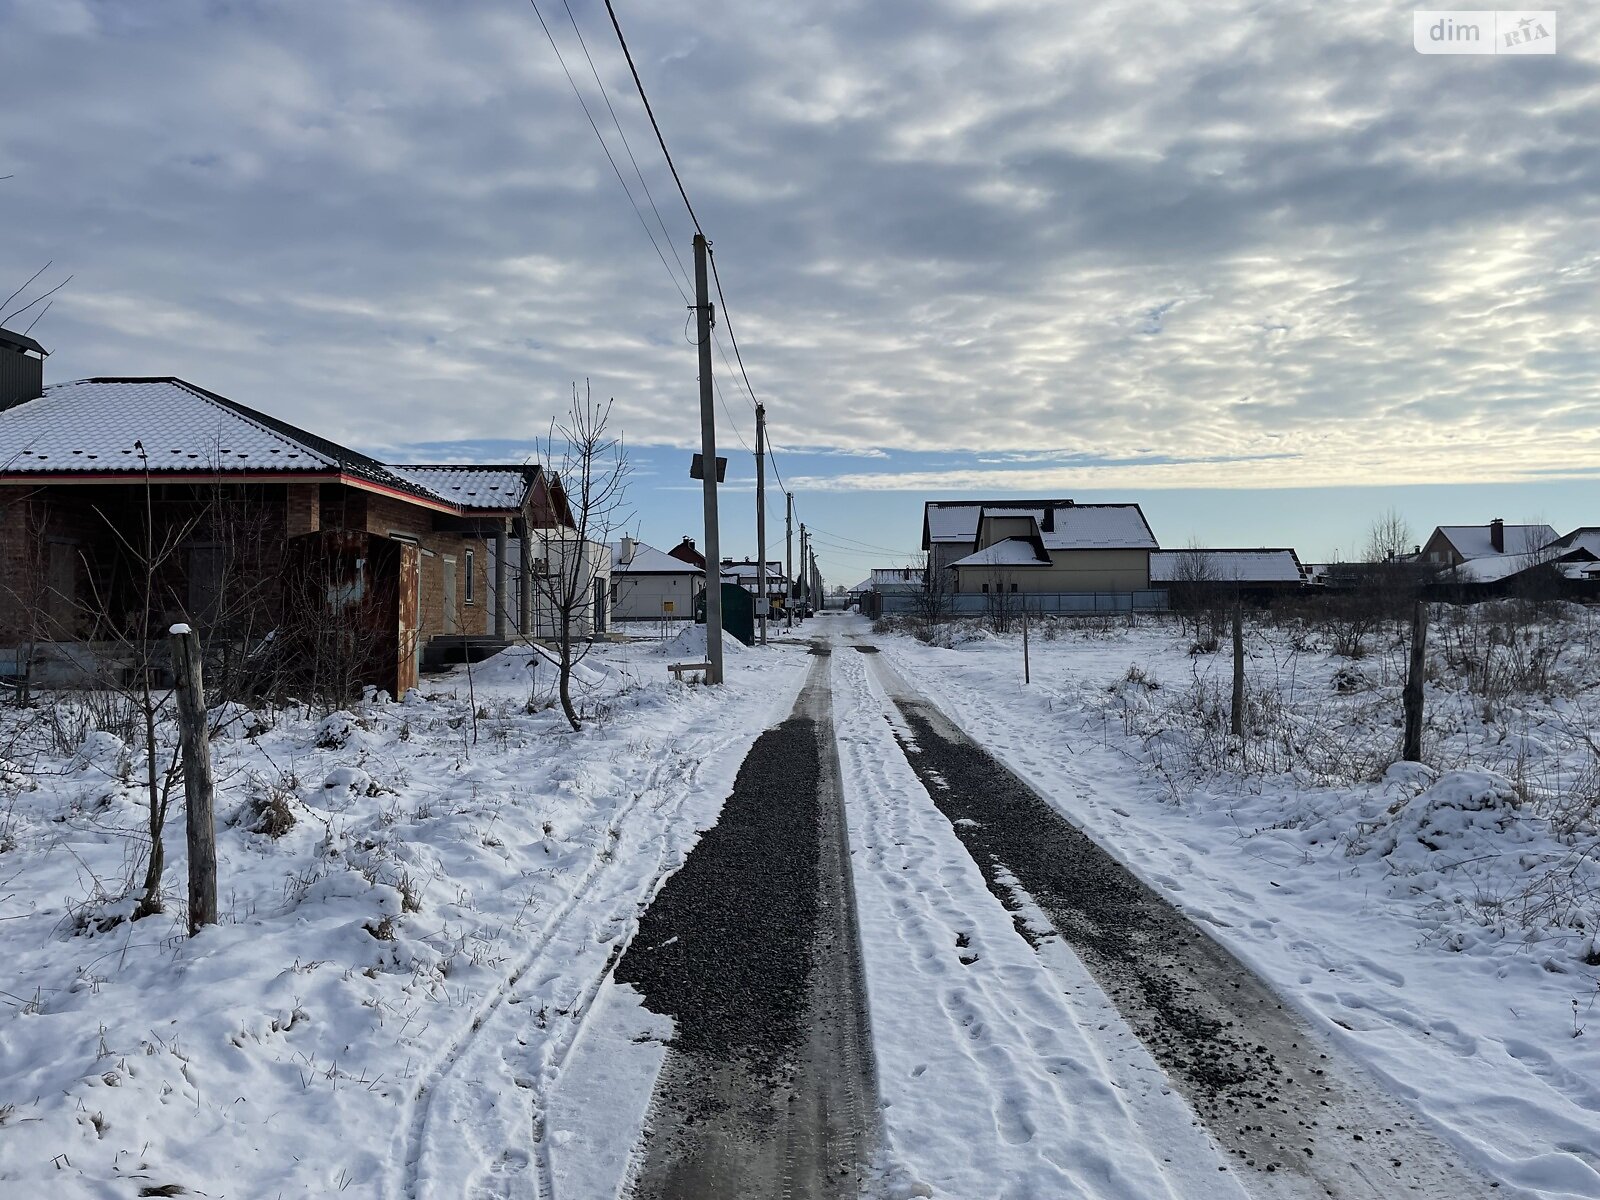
1002	603
1389	539
590	465
931	604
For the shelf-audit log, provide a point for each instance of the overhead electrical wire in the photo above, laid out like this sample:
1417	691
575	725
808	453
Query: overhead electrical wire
651	113
649	233
626	145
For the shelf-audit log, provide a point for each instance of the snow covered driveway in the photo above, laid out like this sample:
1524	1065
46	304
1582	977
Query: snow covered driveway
995	1081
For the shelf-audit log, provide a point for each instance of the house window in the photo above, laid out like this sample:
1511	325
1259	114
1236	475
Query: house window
472	587
1013	587
986	587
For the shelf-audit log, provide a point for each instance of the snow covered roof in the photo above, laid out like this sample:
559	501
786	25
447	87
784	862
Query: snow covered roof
1231	566
897	575
748	570
1586	538
90	426
957	520
1011	552
1099	527
1475	541
473	486
1494	567
647	560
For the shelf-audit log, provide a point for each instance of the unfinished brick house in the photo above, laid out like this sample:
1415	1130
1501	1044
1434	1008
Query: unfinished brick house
127	504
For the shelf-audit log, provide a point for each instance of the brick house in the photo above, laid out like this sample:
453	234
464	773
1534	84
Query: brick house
130	503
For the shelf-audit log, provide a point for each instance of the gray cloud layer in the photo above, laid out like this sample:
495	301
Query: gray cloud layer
1210	232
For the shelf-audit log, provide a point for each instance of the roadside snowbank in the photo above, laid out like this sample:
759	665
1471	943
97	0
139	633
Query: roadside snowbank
382	873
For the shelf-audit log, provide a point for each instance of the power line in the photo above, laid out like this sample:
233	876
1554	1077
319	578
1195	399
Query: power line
626	145
615	169
858	542
651	113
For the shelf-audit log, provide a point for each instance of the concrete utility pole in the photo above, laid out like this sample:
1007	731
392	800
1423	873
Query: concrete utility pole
708	455
788	558
763	586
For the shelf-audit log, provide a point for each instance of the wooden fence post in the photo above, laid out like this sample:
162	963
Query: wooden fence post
197	780
1414	678
1027	673
1236	723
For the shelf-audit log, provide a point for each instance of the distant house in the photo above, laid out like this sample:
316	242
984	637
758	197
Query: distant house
650	585
1452	545
1039	546
747	573
685	551
1562	566
1256	575
129	503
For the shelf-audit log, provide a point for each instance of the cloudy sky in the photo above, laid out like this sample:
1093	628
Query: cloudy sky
1258	265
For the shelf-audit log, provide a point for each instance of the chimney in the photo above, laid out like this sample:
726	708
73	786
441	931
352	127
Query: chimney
21	369
1497	535
1050	518
629	549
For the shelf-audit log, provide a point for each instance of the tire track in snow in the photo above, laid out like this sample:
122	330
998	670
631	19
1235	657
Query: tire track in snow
990	1084
476	1069
1279	1097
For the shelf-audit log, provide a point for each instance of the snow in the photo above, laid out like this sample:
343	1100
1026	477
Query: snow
647	560
1476	541
1009	552
690	644
92	425
1099	527
180	629
472	487
1438	923
980	1052
393	878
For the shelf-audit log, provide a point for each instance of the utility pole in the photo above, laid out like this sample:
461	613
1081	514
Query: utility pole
763	585
788	558
801	582
708	456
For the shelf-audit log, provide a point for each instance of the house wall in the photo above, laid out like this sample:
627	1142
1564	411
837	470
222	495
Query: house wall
1070	571
943	554
594	564
388	516
1439	552
643	597
998	529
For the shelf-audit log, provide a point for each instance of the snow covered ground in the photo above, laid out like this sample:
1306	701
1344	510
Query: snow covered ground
391	879
993	1081
1438	922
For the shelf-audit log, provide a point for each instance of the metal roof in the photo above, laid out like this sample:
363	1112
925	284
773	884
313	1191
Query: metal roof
20	341
98	426
93	425
478	487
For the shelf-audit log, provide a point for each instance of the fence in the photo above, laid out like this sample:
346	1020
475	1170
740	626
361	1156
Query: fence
980	604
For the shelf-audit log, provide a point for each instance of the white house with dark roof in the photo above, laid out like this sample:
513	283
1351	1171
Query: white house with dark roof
650	585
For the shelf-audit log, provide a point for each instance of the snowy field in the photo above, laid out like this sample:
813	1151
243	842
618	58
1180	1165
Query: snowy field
1438	922
389	877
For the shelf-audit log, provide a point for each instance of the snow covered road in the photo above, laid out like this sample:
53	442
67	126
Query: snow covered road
1288	1108
995	1080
